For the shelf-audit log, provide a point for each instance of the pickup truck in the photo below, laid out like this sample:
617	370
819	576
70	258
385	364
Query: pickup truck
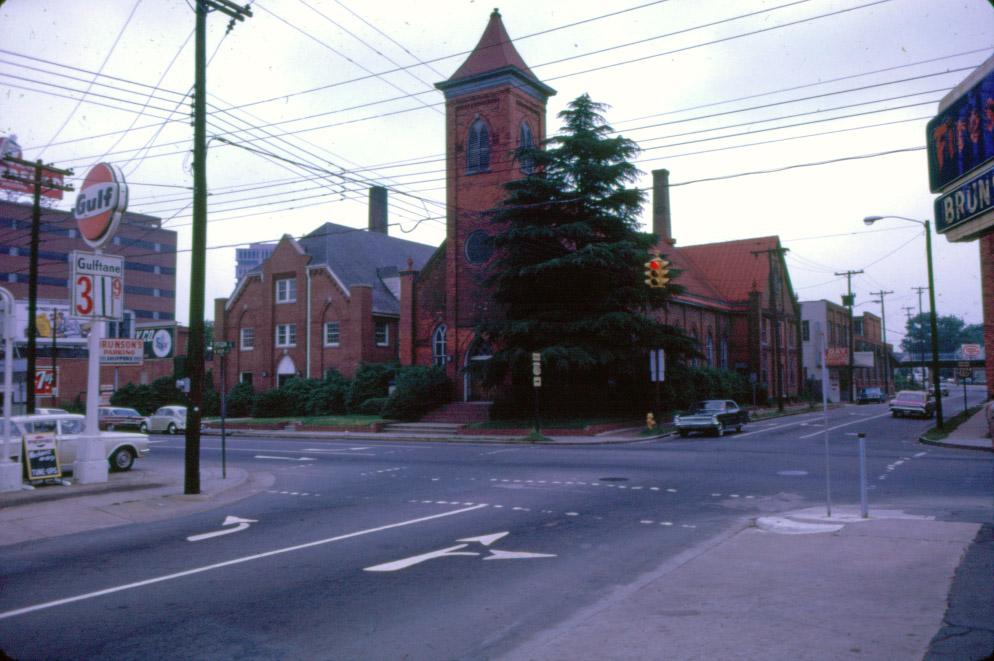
916	403
711	415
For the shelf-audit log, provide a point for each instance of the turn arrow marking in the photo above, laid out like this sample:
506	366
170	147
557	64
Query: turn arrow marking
266	456
242	525
516	555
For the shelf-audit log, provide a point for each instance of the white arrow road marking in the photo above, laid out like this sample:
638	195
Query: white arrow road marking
266	456
486	540
515	555
846	424
397	565
242	525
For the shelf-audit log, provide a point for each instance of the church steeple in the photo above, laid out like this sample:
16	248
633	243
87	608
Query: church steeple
495	59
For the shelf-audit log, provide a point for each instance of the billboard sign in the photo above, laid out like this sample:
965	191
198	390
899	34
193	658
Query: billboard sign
121	351
24	174
960	138
159	342
97	283
50	317
971	199
837	357
970	351
100	204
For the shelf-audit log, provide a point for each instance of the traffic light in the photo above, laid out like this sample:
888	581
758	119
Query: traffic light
657	272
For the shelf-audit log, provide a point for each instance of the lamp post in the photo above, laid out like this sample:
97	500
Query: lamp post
933	322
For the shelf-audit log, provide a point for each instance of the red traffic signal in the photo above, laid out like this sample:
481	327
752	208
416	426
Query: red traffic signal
657	272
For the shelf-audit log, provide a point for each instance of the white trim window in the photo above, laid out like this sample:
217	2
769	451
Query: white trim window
245	377
382	333
246	339
286	335
286	290
332	334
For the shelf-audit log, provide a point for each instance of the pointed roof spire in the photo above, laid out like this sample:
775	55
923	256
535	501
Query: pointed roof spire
494	53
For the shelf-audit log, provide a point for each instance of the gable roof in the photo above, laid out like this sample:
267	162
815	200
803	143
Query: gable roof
357	256
730	268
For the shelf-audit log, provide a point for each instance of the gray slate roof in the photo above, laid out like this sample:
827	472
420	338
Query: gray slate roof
358	256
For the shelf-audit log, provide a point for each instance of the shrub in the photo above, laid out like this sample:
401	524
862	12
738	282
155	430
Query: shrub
419	390
372	380
328	396
240	401
373	406
272	404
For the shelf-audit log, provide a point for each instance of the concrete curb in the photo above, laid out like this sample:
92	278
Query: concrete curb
959	446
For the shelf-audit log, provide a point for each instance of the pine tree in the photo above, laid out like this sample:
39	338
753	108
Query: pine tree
569	260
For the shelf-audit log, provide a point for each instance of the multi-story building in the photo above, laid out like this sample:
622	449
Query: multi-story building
251	258
149	253
330	300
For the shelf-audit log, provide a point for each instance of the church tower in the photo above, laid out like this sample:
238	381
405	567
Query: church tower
494	104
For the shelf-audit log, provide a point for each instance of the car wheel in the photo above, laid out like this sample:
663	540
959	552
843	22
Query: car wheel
738	429
719	430
171	429
683	433
143	428
893	414
122	459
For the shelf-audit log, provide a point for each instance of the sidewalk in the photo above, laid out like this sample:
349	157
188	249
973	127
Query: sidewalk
971	435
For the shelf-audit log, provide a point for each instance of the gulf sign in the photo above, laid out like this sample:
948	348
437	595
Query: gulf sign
100	204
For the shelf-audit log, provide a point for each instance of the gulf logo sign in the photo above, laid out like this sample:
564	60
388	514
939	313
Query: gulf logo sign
101	203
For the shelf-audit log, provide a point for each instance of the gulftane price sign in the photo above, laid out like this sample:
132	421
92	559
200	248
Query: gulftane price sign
97	286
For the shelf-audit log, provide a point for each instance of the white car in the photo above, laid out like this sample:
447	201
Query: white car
120	448
168	419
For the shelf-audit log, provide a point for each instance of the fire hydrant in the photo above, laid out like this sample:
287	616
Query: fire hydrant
650	421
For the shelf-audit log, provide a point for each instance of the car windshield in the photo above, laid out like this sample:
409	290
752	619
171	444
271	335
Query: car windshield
164	411
708	405
130	412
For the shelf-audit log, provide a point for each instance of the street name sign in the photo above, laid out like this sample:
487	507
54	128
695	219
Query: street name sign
97	283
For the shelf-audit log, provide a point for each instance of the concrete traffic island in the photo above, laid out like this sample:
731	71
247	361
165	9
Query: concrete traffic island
874	588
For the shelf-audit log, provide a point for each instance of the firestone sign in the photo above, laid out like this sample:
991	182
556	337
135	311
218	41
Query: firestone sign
100	204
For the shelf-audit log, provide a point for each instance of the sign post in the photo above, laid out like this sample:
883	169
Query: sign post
10	473
98	294
536	385
221	349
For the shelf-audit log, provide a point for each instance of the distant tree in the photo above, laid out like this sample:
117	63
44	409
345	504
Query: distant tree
953	332
568	265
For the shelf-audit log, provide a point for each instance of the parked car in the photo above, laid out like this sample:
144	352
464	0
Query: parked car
912	403
168	419
120	448
711	415
116	417
944	389
868	395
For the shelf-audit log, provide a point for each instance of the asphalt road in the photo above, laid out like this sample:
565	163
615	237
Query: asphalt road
370	550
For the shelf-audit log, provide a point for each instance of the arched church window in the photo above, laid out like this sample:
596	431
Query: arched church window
439	349
478	147
709	349
525	141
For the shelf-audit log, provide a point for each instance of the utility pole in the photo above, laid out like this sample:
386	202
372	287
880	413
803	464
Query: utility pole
774	287
883	336
849	300
907	311
198	255
37	184
921	342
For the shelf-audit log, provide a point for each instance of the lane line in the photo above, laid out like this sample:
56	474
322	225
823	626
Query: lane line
795	423
846	424
227	563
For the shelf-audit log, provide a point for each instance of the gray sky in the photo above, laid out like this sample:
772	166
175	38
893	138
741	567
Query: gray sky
710	89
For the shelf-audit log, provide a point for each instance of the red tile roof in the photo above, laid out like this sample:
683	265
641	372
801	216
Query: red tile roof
727	270
494	51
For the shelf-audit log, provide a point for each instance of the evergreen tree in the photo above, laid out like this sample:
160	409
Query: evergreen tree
568	270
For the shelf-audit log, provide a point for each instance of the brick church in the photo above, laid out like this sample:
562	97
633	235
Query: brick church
738	303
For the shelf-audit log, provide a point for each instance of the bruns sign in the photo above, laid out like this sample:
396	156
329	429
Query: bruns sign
961	137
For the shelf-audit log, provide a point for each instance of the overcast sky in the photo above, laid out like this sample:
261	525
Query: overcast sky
827	98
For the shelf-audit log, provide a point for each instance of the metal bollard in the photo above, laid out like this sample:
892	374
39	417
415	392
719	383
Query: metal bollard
863	509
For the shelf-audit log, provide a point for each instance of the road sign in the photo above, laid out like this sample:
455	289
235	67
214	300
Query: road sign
121	351
221	347
97	286
100	204
964	372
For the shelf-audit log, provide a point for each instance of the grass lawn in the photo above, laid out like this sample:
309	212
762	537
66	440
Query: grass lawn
308	421
552	423
950	424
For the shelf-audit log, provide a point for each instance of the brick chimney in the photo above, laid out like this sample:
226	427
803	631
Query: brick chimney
378	209
661	225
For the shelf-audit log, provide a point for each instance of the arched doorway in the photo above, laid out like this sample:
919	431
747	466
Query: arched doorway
285	371
473	366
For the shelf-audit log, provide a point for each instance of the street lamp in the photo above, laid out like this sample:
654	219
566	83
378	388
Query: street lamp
933	322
